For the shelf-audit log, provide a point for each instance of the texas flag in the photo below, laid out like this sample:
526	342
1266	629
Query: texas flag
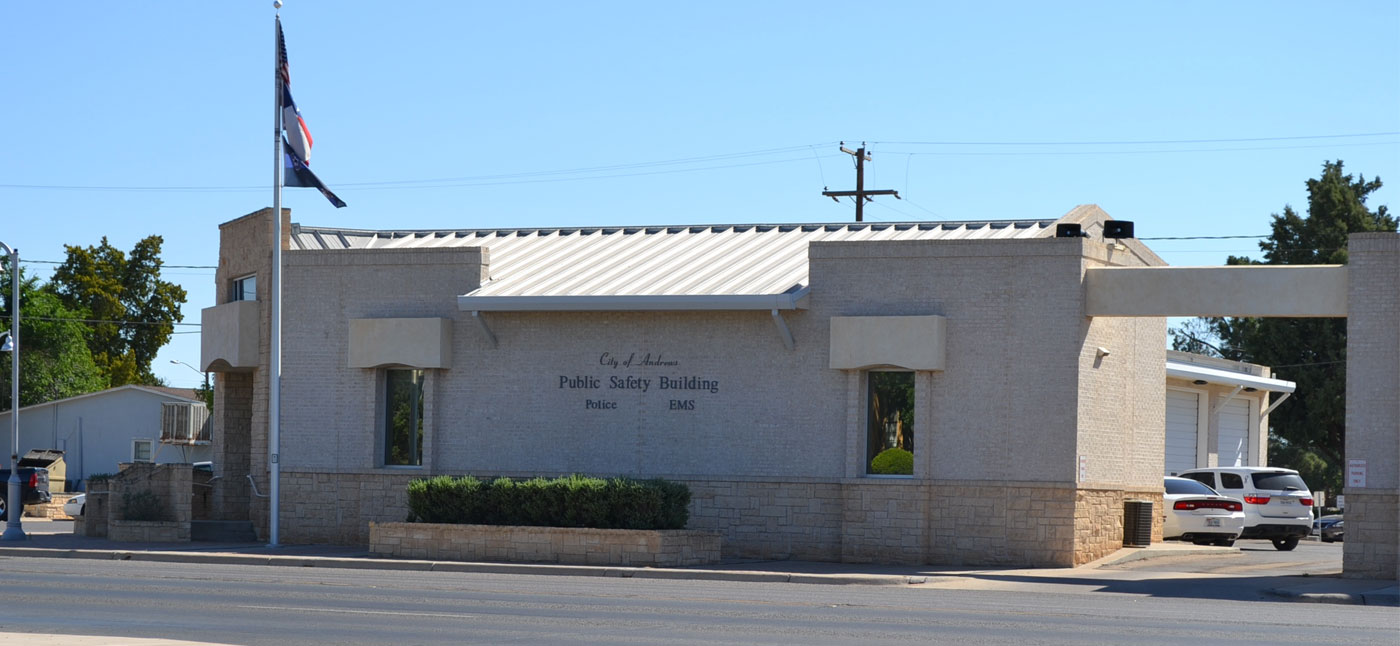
297	139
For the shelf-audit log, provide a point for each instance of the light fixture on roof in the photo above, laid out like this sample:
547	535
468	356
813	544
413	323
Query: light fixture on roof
1117	229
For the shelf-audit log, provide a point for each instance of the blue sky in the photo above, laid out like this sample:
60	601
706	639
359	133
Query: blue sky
131	119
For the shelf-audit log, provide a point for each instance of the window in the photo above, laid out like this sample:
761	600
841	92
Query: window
141	450
890	415
1279	482
1231	481
1207	479
403	417
1188	486
244	289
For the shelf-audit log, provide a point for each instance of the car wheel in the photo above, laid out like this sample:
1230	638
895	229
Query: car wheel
1226	542
1285	544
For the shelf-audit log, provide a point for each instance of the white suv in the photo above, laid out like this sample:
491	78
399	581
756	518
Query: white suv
1277	503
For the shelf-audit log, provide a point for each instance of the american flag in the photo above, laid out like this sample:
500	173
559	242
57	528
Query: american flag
298	136
297	142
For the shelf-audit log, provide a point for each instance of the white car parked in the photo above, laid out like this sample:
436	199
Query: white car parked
1198	514
1277	503
76	505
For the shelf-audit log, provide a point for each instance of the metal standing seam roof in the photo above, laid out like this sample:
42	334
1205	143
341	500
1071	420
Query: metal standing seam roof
745	266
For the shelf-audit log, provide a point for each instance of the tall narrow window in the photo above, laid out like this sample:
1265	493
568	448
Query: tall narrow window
403	417
890	415
244	288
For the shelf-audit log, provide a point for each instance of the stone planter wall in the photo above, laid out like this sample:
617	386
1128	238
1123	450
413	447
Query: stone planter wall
148	531
566	545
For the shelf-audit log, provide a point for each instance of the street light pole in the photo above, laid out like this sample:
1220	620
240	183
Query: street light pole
206	375
14	508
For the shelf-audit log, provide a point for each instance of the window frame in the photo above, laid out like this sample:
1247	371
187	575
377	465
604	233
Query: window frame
236	291
384	418
150	450
867	425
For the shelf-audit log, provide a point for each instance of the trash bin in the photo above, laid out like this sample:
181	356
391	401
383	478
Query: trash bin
51	459
1137	523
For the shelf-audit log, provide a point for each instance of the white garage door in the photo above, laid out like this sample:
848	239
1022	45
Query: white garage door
1234	434
1181	431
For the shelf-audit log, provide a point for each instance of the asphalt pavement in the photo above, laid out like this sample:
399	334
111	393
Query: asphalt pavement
54	539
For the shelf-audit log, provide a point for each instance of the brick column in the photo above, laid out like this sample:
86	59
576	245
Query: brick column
1372	546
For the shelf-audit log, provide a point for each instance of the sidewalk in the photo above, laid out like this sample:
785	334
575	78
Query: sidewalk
45	542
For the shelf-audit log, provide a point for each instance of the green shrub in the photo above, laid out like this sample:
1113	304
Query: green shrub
571	501
142	505
895	461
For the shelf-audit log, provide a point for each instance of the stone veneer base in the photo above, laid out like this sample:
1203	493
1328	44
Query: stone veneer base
565	545
941	522
148	531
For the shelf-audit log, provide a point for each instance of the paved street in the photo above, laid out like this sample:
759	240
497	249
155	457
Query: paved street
275	605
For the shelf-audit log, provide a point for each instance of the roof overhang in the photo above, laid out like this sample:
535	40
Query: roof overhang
794	300
1194	372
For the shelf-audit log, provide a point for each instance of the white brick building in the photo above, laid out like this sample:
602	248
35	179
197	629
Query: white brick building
737	359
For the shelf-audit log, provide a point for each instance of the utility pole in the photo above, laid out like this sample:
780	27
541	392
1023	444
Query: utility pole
860	193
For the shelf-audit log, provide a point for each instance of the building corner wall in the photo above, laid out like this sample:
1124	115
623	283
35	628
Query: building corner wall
240	420
1372	546
1120	417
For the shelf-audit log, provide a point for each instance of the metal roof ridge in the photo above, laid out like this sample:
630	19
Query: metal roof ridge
645	228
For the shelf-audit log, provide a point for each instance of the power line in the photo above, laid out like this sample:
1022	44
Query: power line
1131	152
1133	143
59	262
1203	237
59	320
610	171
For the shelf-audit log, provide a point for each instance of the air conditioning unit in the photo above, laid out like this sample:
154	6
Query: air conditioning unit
184	423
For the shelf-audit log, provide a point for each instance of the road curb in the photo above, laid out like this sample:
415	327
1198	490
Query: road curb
410	565
1381	597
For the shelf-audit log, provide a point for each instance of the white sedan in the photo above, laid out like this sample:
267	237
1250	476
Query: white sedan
76	505
1198	514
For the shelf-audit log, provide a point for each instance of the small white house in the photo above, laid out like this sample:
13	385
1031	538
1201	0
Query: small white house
97	431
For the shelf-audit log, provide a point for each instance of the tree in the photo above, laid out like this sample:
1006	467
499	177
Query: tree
54	359
133	309
1308	432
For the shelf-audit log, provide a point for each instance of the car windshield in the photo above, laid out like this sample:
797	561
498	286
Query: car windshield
1184	486
1279	481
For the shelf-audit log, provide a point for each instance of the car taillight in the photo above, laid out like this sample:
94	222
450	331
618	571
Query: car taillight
1306	502
1257	500
33	481
1188	505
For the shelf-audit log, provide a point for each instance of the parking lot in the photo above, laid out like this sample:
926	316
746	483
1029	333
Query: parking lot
1310	558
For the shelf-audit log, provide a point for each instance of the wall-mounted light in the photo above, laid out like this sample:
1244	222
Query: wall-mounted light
1101	352
1251	389
1200	382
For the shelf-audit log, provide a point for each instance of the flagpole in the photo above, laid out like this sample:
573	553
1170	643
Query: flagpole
274	400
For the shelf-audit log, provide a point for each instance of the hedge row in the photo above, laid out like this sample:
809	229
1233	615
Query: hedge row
572	501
